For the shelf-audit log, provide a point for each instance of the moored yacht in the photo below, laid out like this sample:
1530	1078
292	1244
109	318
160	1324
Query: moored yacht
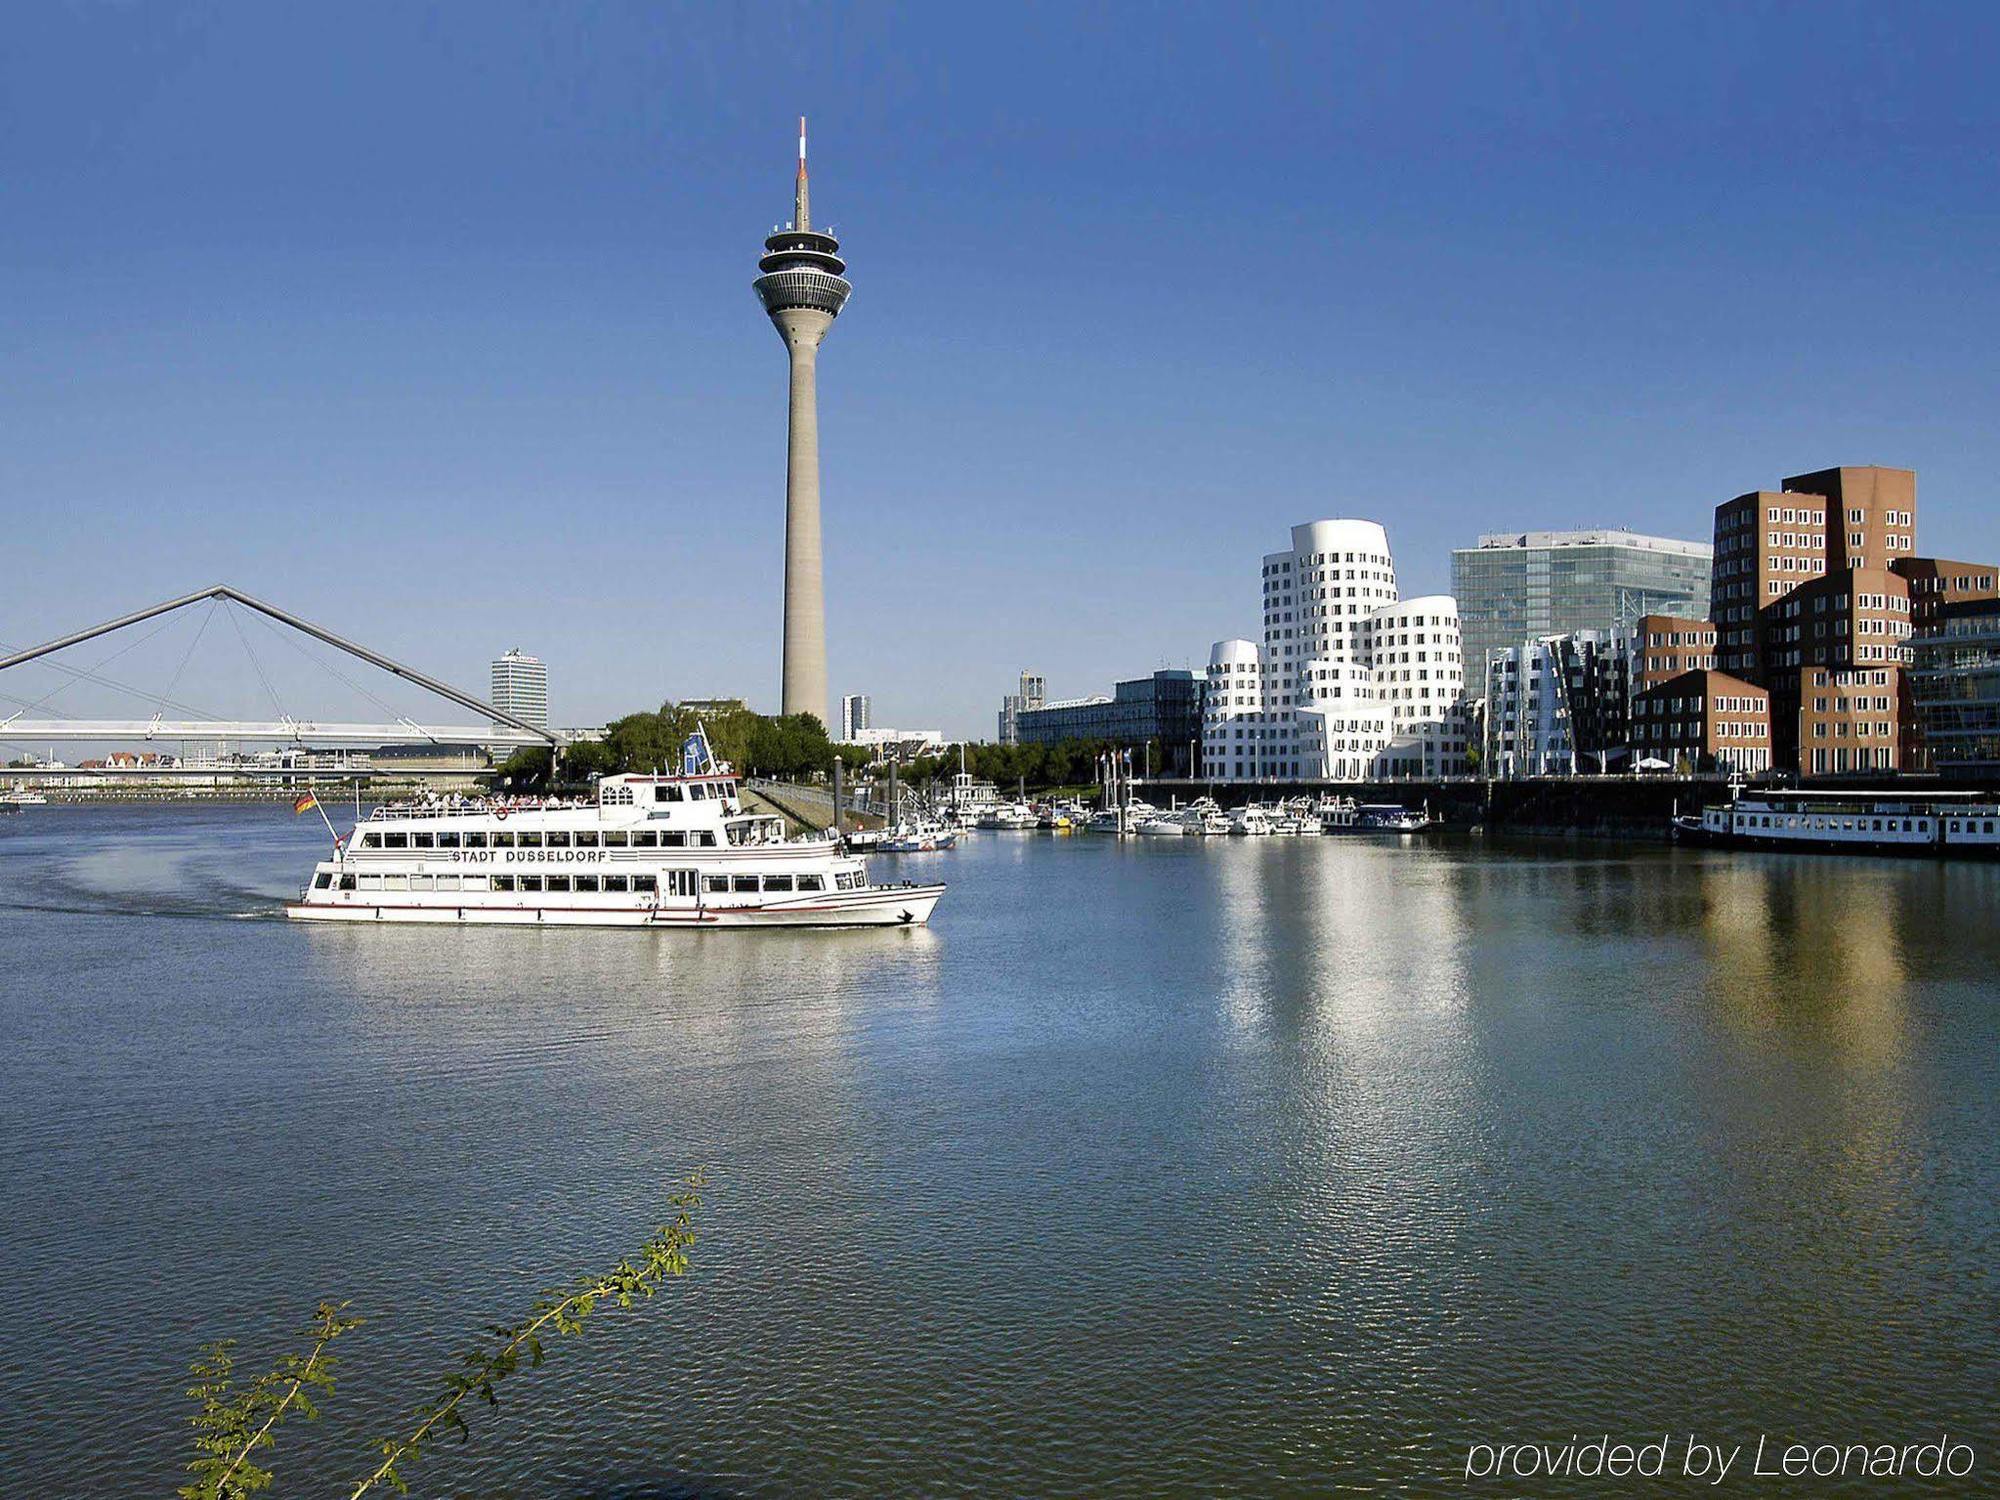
1251	818
648	851
1008	816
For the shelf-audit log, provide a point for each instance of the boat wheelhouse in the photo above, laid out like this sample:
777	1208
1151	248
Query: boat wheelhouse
649	851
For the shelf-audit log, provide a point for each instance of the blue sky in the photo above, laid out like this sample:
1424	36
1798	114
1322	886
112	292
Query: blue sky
434	323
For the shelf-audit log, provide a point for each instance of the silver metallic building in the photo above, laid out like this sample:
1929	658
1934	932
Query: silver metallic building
1516	587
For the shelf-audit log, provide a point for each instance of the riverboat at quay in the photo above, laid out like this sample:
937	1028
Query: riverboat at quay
649	852
1940	824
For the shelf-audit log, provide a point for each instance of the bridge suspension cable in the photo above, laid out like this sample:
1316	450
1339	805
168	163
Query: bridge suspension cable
227	596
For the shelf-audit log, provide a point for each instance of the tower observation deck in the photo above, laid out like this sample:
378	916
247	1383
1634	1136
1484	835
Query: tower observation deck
803	287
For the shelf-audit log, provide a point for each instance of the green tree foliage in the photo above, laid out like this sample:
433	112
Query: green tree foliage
789	746
236	1422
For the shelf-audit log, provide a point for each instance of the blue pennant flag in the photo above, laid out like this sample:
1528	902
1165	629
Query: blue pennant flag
694	754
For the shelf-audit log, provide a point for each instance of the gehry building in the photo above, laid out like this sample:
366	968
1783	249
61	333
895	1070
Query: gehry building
1350	682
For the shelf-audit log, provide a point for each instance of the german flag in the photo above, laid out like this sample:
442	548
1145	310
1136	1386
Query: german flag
305	804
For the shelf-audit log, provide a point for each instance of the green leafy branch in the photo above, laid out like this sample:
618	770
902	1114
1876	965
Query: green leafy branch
559	1312
235	1423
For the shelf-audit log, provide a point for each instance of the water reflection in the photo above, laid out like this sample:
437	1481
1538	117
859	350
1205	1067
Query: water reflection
1182	1166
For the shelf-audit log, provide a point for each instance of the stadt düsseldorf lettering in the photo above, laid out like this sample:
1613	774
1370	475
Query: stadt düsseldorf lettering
518	856
1696	1458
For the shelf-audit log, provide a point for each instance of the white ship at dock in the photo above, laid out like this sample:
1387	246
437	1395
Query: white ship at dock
649	851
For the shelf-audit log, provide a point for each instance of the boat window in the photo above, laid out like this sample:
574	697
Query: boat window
616	839
475	882
744	882
447	841
645	839
646	885
1954	826
587	839
531	882
530	840
347	882
371	882
421	883
777	882
586	882
1878	825
558	838
395	841
715	882
556	883
704	840
324	880
422	841
475	841
371	841
811	883
1987	826
616	883
697	791
503	882
666	794
395	882
503	841
447	882
673	839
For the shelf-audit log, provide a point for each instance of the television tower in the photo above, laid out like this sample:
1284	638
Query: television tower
803	290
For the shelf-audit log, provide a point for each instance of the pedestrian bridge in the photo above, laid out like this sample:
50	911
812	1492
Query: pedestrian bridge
499	729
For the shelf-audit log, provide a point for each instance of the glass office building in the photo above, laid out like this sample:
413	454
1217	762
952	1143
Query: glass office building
1516	587
1954	680
1166	707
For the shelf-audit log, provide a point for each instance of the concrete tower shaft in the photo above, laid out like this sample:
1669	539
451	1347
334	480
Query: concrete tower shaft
802	290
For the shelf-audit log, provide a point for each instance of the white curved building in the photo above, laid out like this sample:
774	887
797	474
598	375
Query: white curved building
1232	728
1350	682
1413	649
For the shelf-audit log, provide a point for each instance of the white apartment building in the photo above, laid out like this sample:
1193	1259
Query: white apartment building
1350	682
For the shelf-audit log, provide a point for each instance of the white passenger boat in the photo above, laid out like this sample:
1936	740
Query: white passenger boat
1163	825
20	796
649	851
1946	824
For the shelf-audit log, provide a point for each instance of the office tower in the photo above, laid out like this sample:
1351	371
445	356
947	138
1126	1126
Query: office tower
1516	587
521	688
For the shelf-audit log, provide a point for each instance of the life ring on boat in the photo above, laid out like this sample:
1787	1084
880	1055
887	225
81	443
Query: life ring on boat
500	813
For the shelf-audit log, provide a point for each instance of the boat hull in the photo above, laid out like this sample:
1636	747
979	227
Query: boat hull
872	906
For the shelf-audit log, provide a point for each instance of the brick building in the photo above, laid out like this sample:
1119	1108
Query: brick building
1703	720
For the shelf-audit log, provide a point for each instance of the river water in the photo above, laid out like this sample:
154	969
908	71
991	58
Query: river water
1171	1167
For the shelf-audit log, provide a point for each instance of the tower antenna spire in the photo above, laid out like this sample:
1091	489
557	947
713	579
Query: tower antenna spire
802	208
